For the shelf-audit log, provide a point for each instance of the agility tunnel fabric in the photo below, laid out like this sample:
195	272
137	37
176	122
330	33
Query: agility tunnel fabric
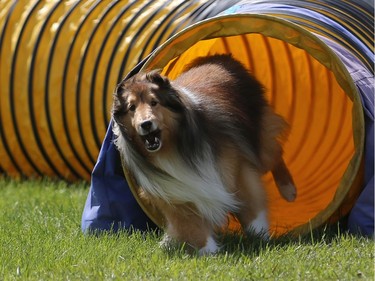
315	59
60	62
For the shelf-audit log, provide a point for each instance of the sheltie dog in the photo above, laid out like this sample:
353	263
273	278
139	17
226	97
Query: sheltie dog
198	146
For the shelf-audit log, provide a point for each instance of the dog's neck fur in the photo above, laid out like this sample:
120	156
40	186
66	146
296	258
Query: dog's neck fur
177	182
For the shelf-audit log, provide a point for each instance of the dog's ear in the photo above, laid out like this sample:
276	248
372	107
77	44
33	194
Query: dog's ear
116	100
118	105
155	77
120	88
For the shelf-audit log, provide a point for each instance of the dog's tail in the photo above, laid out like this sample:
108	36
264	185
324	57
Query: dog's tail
284	181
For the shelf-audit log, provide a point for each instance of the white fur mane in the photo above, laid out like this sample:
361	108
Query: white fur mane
180	183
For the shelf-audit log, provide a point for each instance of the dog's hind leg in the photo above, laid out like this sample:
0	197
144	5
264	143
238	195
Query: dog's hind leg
284	181
273	132
253	210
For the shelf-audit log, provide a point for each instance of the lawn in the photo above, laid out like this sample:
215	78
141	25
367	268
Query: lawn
41	239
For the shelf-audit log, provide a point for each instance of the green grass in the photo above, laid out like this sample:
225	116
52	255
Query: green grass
40	239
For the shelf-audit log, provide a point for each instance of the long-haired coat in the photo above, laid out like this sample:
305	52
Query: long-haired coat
198	146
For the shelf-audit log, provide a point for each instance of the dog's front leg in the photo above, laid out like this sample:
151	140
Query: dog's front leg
185	225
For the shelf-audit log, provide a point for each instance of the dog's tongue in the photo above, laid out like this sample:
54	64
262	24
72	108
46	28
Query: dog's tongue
152	142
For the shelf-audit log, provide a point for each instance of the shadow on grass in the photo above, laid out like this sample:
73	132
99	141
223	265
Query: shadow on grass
235	243
252	245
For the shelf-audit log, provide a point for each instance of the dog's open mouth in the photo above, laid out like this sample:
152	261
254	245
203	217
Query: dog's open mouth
152	141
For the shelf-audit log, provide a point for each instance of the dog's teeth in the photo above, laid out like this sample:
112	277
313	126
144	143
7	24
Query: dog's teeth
152	142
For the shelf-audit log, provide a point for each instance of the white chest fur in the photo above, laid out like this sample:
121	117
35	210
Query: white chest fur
202	187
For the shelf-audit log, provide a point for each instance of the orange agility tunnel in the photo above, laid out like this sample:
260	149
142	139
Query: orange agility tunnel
60	62
310	81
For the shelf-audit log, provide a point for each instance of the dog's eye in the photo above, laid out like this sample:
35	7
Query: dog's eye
153	103
132	107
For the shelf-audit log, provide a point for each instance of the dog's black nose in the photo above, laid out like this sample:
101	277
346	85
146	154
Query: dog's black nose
146	125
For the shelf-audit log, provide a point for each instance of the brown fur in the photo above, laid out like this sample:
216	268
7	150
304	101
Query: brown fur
215	108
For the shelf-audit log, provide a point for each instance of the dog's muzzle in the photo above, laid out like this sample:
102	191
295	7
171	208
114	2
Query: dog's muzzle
150	135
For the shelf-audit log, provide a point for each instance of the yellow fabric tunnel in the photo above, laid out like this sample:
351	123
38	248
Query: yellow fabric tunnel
61	60
309	85
60	63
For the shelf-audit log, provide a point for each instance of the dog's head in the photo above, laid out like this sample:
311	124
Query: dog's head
146	108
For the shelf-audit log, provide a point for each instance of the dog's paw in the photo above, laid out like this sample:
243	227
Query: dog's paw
210	248
288	192
167	242
259	226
